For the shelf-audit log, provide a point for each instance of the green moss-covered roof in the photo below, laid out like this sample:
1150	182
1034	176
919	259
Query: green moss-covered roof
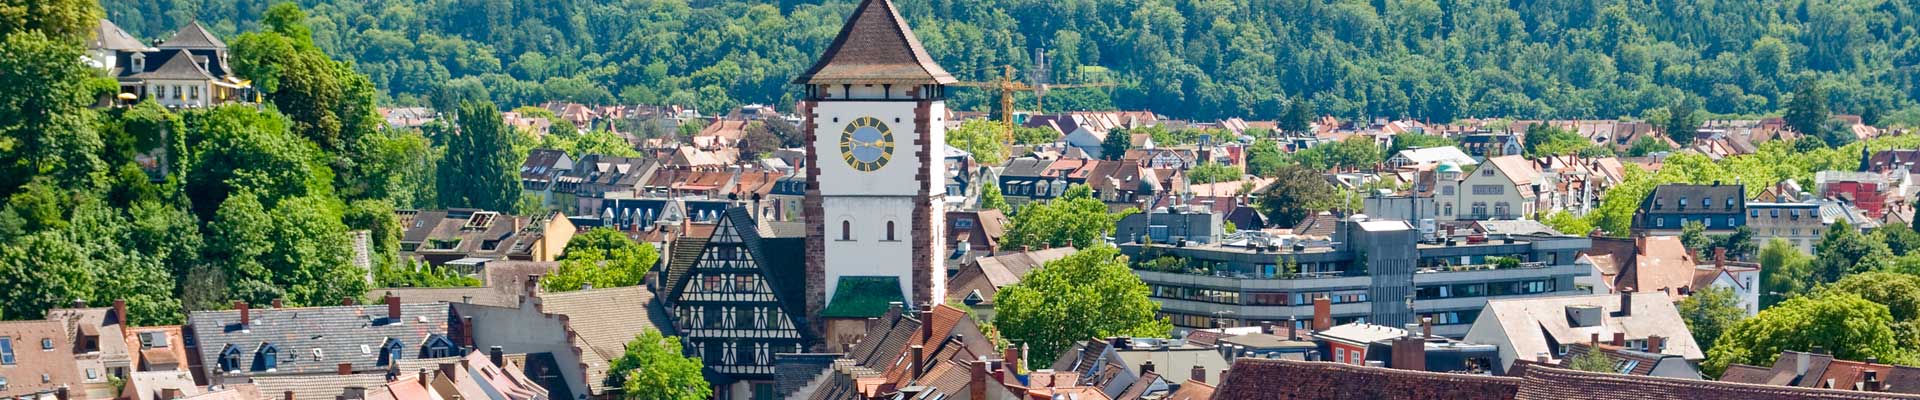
863	297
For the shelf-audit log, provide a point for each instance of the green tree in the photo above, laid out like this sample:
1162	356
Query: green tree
1784	272
990	198
1852	328
46	128
1593	361
1709	312
1900	238
1418	141
1264	157
1210	172
1299	117
479	167
604	258
654	368
981	138
1046	310
1693	235
760	141
1898	291
1358	152
1568	223
240	148
1296	193
67	19
1116	144
1545	140
1682	124
1073	219
1844	250
1646	145
1807	112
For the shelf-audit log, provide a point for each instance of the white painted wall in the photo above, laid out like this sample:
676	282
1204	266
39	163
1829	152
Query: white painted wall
867	200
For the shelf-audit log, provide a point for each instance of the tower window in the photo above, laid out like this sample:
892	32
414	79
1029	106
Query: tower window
890	231
846	230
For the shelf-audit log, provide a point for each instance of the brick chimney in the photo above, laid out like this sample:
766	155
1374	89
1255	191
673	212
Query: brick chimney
532	285
919	354
1010	358
926	326
288	395
1655	343
977	387
1199	373
1720	257
466	331
277	303
1619	338
1426	327
62	394
1322	313
348	301
120	312
393	307
345	369
1409	353
246	315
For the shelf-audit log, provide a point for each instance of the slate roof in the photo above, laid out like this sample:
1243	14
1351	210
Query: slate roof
193	36
863	297
1287	379
109	36
338	332
1545	383
179	66
875	46
1669	197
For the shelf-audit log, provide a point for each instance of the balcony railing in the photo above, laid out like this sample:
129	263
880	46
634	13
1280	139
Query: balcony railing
1479	267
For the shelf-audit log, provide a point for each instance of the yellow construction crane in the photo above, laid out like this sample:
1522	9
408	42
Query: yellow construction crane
1008	86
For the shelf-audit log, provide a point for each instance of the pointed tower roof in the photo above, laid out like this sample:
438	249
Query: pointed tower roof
193	36
875	46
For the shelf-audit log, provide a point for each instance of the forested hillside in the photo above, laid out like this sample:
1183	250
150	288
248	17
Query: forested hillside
1426	59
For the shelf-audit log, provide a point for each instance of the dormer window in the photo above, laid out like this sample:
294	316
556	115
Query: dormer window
1730	203
139	62
391	352
268	358
46	344
230	359
1659	203
438	346
1683	203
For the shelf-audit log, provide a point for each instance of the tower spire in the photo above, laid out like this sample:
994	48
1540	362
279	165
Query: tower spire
875	46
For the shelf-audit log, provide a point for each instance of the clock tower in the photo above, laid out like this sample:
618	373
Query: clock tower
875	126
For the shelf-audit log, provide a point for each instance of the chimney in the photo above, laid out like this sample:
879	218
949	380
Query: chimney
1626	302
1011	360
1655	343
1146	367
61	394
497	356
1594	340
1720	257
1266	327
277	303
1540	357
1619	339
466	329
447	370
532	285
1291	324
1322	313
926	326
288	395
393	307
1199	373
348	301
120	312
586	286
1871	382
345	369
919	354
246	315
1426	327
421	377
978	386
78	303
1800	363
1409	353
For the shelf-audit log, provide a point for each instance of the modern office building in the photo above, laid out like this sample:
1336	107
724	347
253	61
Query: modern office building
1375	271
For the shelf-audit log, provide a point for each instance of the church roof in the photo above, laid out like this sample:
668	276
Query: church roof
875	46
194	36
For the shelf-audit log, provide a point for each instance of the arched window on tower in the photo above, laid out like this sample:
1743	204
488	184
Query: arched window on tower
889	231
846	230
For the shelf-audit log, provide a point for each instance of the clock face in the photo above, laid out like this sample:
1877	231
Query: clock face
866	144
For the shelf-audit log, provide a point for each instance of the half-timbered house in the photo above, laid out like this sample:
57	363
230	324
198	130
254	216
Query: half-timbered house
737	299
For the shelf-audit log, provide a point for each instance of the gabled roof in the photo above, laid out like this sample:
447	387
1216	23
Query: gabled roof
180	66
31	363
193	36
1545	383
108	36
606	319
337	332
875	46
1531	323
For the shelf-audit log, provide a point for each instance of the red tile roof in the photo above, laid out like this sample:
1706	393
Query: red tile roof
1286	379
